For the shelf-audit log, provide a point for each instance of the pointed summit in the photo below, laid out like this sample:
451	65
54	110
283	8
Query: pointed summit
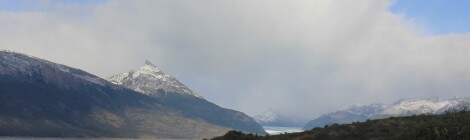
147	62
149	68
149	80
169	91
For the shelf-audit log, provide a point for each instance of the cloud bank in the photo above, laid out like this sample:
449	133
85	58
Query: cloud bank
301	57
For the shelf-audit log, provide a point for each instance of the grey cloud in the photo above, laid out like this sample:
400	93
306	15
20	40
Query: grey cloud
301	57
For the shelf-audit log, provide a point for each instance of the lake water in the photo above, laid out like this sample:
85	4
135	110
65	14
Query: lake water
274	130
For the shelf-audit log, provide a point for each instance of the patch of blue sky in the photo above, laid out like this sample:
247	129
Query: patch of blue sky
11	5
39	5
438	17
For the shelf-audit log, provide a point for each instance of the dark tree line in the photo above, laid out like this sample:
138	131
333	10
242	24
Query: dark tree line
452	125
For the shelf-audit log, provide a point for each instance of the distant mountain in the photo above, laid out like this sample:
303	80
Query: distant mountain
408	107
346	115
403	107
39	98
455	104
273	118
151	81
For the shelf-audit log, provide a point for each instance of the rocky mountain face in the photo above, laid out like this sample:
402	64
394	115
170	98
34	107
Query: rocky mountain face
273	118
39	98
404	107
151	81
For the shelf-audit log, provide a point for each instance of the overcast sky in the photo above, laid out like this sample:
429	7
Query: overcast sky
302	57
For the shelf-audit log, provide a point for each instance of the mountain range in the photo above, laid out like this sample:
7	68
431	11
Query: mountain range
39	98
403	107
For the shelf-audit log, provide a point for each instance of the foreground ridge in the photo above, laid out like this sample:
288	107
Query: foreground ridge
451	125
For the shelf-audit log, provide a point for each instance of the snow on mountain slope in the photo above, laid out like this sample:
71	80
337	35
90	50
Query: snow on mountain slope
16	63
406	107
403	107
456	104
149	79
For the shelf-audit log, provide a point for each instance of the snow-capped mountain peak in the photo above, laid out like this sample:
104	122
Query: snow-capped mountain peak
149	80
149	67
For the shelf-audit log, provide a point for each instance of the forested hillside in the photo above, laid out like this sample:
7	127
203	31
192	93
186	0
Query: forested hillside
453	125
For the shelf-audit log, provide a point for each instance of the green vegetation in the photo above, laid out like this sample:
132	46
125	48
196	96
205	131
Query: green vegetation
453	125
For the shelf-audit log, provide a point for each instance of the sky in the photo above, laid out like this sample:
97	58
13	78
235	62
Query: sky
436	16
303	58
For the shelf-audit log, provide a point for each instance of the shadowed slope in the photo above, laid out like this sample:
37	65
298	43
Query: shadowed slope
42	99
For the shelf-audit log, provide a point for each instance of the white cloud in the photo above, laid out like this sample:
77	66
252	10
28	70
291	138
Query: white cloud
301	57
